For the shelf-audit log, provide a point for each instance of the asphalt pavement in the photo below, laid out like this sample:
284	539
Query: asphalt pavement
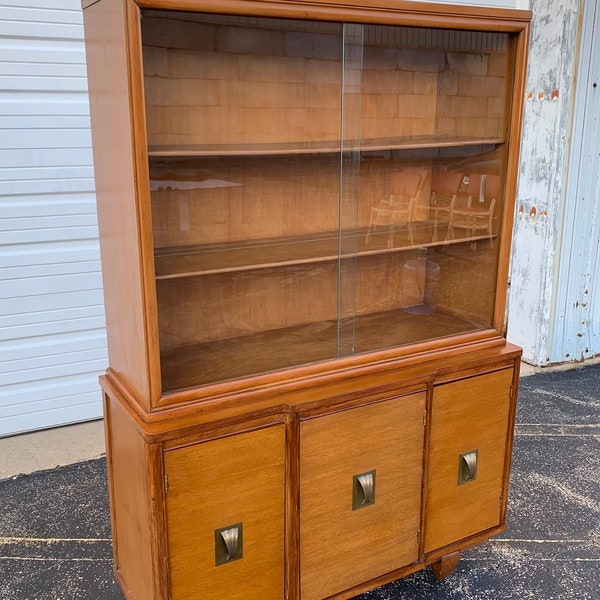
55	541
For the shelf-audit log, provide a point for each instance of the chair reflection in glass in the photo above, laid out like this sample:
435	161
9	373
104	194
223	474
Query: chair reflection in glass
398	211
473	210
445	185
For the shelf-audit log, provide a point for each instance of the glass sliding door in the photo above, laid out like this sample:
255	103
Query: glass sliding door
319	189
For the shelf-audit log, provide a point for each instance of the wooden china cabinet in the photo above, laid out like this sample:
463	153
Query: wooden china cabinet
305	214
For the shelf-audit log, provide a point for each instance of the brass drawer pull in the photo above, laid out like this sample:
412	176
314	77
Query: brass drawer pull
228	544
467	467
363	490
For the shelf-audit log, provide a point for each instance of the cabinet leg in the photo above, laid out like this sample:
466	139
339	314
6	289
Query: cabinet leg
444	567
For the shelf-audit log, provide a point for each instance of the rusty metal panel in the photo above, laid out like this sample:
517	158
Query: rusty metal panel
577	308
542	176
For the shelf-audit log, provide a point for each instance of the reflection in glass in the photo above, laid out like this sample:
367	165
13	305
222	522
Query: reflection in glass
319	189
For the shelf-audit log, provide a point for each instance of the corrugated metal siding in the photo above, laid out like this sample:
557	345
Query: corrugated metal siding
577	314
52	336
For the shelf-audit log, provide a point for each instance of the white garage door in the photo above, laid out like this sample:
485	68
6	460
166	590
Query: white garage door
52	336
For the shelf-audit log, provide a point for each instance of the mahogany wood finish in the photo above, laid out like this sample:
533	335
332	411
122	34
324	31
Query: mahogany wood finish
274	350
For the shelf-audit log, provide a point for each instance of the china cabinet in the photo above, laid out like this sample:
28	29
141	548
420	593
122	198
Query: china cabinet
305	212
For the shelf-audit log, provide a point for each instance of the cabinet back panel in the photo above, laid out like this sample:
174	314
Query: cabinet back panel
232	80
230	305
204	201
467	283
252	80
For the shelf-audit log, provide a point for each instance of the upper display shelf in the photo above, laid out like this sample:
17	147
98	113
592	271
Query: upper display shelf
171	263
321	147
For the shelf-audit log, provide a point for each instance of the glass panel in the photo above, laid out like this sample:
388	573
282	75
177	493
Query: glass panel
319	189
243	119
433	161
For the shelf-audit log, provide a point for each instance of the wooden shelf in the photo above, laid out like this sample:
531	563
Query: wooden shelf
321	147
209	259
202	364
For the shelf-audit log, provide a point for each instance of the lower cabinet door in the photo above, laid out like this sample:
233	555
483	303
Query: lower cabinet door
225	517
360	493
467	457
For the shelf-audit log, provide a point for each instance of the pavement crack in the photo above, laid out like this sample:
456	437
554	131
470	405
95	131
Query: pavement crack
567	493
55	549
585	401
557	430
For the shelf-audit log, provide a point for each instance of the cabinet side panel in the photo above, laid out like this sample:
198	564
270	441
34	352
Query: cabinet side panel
106	49
129	492
521	45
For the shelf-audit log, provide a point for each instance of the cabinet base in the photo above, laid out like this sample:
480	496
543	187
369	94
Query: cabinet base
280	464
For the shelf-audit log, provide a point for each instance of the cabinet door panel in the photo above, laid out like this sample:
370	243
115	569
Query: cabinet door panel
214	486
342	546
469	423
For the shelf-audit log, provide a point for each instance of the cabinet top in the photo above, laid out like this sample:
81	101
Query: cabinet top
409	12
